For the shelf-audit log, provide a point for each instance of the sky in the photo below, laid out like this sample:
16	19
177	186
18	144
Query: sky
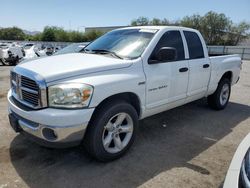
33	15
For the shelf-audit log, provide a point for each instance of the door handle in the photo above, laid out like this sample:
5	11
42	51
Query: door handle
205	66
183	69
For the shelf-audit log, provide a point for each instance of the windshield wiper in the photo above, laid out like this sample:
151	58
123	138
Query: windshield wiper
101	51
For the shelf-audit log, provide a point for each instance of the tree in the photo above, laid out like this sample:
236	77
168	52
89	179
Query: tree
92	35
155	21
36	37
193	21
214	27
48	34
75	36
12	33
217	29
140	21
241	31
61	35
165	21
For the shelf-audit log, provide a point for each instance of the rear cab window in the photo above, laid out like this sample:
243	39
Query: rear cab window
194	44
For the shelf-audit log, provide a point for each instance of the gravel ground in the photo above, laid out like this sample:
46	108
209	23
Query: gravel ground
190	146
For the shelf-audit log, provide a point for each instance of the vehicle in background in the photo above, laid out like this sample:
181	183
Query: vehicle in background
72	48
49	50
96	97
29	51
10	53
238	174
33	51
244	180
57	48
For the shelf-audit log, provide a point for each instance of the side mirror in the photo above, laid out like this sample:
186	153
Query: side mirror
165	54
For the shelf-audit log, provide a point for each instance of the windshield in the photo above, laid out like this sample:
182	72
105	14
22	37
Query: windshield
72	48
127	43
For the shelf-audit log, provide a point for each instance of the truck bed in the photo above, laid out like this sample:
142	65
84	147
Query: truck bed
224	63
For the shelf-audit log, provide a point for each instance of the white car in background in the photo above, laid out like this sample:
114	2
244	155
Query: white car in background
10	53
32	51
72	48
238	174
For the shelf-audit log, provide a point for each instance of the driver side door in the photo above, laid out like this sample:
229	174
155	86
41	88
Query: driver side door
167	82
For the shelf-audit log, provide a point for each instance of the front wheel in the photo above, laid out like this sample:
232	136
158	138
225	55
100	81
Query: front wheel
112	131
3	62
16	60
219	99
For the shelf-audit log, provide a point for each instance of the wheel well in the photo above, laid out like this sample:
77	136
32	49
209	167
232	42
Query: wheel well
129	97
228	75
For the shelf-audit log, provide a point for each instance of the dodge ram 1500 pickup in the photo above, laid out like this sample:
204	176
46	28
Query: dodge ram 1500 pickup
96	97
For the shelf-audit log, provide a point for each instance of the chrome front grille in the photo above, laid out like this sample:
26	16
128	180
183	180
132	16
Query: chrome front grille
28	90
13	75
13	81
30	97
28	83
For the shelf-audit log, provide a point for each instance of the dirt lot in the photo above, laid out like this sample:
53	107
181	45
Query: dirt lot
194	149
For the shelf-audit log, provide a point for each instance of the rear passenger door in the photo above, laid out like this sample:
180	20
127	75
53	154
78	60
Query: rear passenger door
199	65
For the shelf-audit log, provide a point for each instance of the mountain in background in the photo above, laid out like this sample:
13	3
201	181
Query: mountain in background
31	32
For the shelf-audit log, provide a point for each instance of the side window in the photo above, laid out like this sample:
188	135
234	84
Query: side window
195	47
171	39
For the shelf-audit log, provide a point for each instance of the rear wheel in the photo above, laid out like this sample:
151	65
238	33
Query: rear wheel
112	131
219	99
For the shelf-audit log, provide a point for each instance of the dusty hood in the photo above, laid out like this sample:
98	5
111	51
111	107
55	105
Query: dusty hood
67	65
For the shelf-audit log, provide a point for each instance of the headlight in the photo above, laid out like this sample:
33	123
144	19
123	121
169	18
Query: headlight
72	95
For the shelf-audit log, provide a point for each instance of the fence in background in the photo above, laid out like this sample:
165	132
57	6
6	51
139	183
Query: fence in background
243	51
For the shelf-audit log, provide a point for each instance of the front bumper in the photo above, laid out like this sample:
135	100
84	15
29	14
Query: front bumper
53	127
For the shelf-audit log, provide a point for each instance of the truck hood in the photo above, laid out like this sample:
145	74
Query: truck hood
68	65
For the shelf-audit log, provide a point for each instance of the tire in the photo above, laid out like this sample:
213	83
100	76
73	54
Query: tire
3	62
105	127
219	99
16	61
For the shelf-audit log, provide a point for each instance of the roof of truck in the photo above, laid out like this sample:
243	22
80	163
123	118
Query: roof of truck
158	27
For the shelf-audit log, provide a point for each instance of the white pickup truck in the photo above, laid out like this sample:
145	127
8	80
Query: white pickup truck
97	96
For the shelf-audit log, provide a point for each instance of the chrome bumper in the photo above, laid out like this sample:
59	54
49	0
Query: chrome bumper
54	134
52	126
